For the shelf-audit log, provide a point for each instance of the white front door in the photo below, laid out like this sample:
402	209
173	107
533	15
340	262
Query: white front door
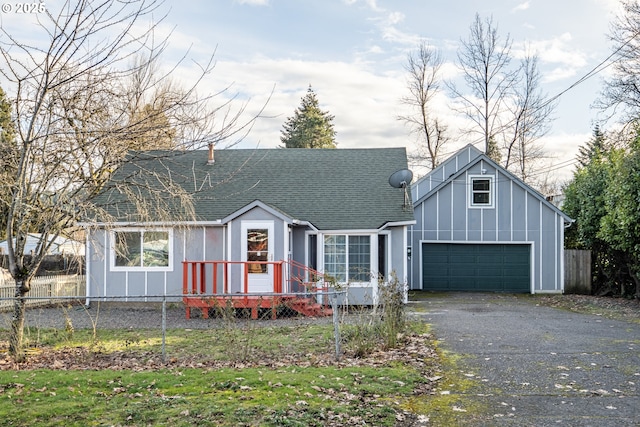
257	246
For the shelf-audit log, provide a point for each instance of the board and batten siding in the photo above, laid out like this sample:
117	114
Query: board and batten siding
194	243
518	215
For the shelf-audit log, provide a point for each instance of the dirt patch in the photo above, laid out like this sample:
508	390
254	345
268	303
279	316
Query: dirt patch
612	308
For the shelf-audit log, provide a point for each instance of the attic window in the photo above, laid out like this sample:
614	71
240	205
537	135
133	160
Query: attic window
481	194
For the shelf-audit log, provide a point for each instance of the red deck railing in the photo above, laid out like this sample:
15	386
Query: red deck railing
207	284
213	277
304	278
198	278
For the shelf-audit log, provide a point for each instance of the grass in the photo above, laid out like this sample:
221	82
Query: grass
219	344
455	401
183	397
249	375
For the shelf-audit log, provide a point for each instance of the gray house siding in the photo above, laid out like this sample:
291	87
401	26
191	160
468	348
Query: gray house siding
214	243
442	172
196	243
517	215
398	249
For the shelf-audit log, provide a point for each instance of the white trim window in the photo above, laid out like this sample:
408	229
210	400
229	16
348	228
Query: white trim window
142	250
481	190
347	258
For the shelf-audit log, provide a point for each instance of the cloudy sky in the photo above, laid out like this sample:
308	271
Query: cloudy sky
353	52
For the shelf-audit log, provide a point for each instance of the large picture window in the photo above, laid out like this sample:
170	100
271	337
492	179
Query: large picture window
348	258
145	249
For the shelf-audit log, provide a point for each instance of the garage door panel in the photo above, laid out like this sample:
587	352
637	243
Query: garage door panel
520	271
488	273
516	259
465	261
476	267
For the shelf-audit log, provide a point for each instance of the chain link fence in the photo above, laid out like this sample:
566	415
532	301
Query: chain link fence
202	329
229	328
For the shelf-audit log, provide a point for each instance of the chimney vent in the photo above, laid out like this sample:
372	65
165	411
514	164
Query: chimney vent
212	159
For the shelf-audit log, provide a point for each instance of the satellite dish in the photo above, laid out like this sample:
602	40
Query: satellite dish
401	178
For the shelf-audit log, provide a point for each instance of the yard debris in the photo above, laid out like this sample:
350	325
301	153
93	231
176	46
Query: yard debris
615	308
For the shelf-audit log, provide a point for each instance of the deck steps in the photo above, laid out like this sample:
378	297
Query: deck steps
308	307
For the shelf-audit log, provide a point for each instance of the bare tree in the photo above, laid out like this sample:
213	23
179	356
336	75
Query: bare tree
484	61
76	104
423	67
531	115
621	94
8	158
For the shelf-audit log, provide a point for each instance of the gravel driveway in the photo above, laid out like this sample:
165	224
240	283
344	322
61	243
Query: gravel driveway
535	365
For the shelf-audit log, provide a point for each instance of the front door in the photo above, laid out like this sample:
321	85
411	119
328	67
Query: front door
257	237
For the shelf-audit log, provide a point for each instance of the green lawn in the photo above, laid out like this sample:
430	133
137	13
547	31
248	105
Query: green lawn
227	397
266	376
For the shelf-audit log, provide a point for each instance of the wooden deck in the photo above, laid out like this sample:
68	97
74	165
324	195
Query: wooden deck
207	285
296	304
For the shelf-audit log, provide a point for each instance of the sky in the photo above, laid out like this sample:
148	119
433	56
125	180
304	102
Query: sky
353	54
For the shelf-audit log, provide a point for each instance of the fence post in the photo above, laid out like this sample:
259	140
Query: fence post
336	327
164	328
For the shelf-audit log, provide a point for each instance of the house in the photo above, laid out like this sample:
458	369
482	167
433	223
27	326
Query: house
258	212
60	245
480	228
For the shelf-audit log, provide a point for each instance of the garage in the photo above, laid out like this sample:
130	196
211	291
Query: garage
480	228
476	267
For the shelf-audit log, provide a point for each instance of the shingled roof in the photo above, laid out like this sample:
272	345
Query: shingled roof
333	189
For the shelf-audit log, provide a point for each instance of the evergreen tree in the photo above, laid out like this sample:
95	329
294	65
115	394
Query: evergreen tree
493	151
310	127
620	226
598	144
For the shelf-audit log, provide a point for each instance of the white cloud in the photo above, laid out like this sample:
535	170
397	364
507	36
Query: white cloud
613	6
360	120
562	147
375	49
395	18
558	54
559	73
392	34
374	5
521	6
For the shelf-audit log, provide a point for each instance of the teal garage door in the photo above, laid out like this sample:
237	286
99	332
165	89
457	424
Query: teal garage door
476	267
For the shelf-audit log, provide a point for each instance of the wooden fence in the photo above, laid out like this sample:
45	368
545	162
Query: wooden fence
577	271
45	290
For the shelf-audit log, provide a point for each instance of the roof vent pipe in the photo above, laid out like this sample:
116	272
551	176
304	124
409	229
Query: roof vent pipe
211	160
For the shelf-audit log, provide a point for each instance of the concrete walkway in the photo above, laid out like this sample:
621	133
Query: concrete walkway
536	366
